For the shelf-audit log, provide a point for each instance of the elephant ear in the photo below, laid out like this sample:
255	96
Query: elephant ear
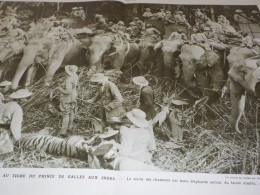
213	59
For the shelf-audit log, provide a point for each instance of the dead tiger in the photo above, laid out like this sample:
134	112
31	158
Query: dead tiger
74	147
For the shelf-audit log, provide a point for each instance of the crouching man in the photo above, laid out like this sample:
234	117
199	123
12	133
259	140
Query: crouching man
11	118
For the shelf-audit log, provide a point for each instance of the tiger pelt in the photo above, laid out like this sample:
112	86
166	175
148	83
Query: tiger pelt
74	147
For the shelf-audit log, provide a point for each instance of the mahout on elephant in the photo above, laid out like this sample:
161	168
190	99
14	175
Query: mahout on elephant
244	76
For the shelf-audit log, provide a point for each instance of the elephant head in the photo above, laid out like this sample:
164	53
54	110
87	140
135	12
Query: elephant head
170	50
244	77
29	53
101	44
194	60
146	50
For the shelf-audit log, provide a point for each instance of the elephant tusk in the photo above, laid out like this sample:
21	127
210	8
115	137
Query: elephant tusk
128	47
120	47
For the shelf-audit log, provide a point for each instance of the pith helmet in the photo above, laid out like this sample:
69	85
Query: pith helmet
239	11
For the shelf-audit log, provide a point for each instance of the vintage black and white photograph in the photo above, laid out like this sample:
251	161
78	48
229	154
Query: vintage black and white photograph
130	87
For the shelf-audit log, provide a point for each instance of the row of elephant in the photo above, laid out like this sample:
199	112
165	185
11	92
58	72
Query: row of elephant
209	66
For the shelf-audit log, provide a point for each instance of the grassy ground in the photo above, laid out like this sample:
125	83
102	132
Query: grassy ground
209	146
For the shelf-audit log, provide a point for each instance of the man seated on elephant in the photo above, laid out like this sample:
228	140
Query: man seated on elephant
255	16
134	30
213	39
178	35
59	31
247	40
240	17
200	39
152	32
15	42
200	18
109	98
180	18
120	28
161	14
147	14
168	19
101	23
139	23
81	13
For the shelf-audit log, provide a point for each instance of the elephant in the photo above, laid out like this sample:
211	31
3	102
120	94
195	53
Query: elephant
170	51
38	50
244	76
207	66
148	55
8	67
113	46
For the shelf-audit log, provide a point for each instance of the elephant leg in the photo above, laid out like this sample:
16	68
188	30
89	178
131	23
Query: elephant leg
217	78
30	75
55	62
6	54
238	97
118	61
169	68
27	59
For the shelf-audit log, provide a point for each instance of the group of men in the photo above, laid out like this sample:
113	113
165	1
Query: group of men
130	153
167	17
12	38
135	128
78	12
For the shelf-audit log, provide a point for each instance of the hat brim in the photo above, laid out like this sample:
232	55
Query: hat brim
97	80
110	134
69	72
5	84
20	96
137	122
135	80
101	150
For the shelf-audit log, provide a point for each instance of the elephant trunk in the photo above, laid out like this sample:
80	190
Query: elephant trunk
168	64
28	59
188	70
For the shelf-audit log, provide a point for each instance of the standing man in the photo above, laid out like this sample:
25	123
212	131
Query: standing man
109	97
68	98
11	118
147	105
